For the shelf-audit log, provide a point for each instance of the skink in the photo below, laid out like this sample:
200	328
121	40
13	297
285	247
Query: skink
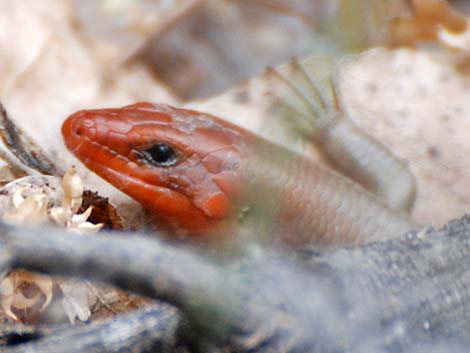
201	176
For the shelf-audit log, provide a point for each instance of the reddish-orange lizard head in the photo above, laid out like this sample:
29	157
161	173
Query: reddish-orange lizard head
182	165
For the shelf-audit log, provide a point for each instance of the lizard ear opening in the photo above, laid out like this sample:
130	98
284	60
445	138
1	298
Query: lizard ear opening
215	205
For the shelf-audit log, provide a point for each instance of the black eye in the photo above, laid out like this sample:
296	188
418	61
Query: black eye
161	155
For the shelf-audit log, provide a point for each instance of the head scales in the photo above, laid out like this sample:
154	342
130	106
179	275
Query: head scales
192	195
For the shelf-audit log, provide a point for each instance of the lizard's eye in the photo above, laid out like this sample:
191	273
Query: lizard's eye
160	155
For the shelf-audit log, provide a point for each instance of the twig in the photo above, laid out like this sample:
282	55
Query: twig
23	147
149	330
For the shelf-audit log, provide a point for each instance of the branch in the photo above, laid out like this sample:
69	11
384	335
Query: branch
407	293
152	329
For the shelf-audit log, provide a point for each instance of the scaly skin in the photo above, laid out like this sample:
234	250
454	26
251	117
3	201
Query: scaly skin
226	179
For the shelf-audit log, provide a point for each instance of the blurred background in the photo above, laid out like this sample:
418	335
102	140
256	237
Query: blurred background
404	72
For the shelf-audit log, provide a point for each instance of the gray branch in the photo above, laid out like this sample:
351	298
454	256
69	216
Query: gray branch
149	330
411	294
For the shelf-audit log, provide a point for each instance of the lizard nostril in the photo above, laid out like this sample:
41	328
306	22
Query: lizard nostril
82	125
